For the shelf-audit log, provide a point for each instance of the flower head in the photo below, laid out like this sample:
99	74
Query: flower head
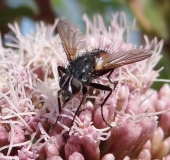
29	105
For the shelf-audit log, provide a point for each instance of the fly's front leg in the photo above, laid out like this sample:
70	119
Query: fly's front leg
61	69
84	92
59	105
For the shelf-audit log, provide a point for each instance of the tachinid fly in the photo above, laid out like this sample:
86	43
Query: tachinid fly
83	68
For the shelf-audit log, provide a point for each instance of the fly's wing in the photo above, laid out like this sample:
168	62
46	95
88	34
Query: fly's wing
71	37
107	61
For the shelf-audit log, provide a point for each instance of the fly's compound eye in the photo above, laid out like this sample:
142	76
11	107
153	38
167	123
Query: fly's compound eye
64	81
75	86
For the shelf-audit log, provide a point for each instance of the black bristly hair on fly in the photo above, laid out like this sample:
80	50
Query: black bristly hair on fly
84	68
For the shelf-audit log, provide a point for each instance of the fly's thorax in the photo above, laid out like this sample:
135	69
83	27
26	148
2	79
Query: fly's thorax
70	86
82	68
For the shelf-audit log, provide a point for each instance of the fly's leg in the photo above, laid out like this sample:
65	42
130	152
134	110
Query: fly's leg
60	71
103	88
108	77
84	91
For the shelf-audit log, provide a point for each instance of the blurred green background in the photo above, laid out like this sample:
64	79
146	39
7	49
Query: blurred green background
153	18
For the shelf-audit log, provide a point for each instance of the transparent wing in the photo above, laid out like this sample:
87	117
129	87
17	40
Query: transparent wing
71	37
108	61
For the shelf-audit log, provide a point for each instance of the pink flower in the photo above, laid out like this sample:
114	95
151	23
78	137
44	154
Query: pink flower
3	136
18	134
25	154
76	156
29	108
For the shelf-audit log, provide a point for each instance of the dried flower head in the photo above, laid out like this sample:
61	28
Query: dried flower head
29	107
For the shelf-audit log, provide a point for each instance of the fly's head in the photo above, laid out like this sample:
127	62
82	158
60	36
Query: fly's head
70	86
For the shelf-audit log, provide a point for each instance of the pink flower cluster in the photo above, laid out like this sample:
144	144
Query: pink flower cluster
28	101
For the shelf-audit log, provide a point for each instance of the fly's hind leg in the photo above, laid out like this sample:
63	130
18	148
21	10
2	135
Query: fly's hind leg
103	88
108	77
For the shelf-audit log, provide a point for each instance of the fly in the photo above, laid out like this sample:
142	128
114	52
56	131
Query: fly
83	68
